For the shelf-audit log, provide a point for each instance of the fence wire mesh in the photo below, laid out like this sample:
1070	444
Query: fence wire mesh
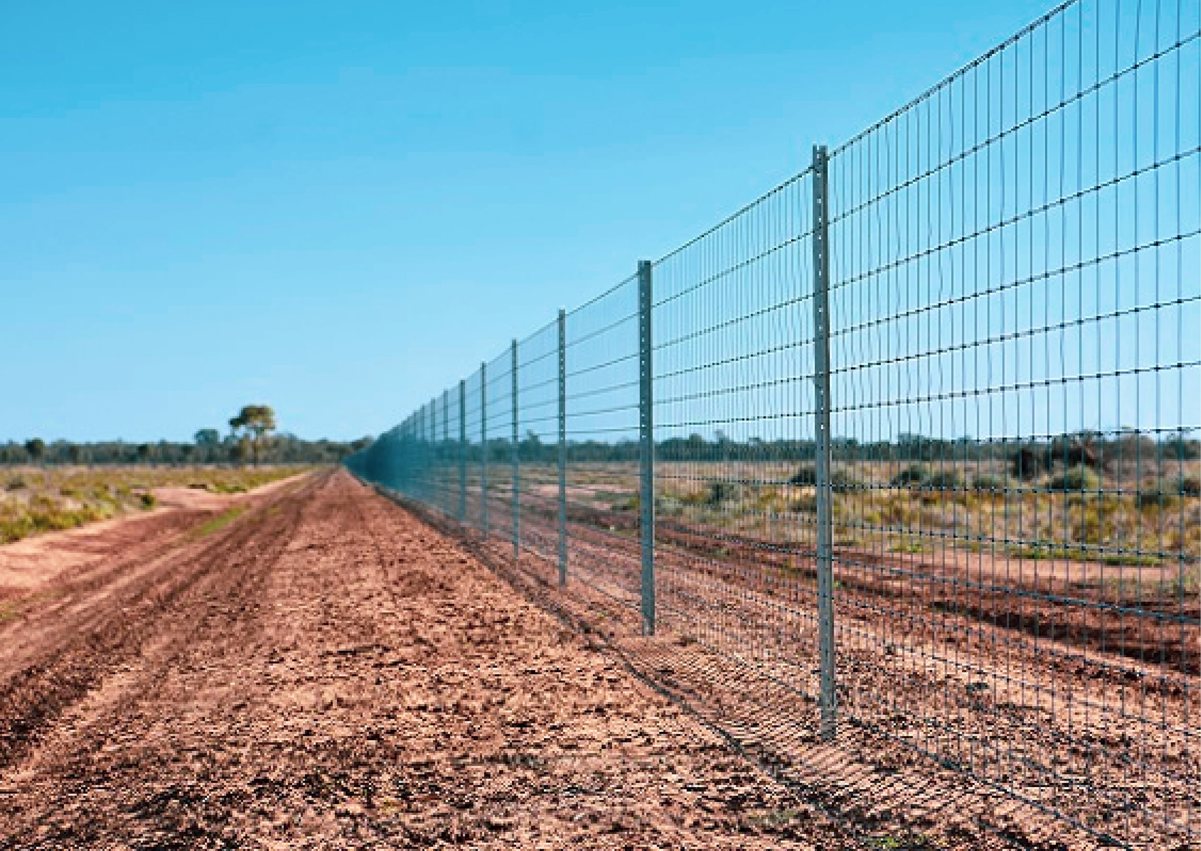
1016	260
1013	494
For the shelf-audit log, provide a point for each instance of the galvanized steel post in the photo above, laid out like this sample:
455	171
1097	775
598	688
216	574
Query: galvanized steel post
423	454
828	699
516	455
484	449
646	429
562	447
431	448
462	451
406	466
443	451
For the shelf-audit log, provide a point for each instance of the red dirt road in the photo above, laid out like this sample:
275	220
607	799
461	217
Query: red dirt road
326	671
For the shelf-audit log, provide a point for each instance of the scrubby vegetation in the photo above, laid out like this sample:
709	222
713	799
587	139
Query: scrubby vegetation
1115	500
209	448
37	500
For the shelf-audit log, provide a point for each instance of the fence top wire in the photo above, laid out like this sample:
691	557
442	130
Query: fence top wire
953	77
633	279
548	327
741	211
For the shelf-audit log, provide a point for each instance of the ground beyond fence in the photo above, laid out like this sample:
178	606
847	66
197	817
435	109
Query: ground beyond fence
915	437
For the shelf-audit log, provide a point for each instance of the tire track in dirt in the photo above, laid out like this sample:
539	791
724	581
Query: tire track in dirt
78	645
740	652
332	673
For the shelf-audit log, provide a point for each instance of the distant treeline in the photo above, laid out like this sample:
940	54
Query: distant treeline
208	449
391	452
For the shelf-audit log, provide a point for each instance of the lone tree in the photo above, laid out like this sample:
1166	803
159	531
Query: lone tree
208	437
253	423
36	449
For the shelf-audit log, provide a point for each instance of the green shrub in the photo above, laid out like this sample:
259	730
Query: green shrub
722	492
668	505
16	483
944	480
1078	478
806	476
990	482
914	474
1190	486
148	500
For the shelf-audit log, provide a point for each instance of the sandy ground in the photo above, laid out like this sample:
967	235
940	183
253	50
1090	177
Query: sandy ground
328	672
961	727
32	563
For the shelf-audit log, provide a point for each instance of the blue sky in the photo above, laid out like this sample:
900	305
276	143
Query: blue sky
339	209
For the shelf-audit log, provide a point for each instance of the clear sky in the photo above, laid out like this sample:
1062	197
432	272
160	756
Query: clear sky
341	208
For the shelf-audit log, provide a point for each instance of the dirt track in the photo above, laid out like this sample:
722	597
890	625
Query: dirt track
326	671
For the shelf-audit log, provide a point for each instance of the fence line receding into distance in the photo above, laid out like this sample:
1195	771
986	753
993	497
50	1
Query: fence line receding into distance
915	437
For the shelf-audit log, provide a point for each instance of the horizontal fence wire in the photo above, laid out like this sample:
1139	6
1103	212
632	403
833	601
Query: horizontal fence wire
733	326
538	425
1014	488
1014	403
601	372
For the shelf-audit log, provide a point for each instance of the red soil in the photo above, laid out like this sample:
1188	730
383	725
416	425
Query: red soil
328	672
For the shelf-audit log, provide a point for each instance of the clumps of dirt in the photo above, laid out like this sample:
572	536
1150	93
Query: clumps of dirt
328	672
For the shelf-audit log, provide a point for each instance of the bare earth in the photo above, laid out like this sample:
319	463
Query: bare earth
32	563
326	671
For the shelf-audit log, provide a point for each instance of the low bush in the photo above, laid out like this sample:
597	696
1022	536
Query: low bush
944	480
914	474
1079	478
721	492
806	476
990	482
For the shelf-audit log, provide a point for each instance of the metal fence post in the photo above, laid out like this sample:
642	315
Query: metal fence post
516	454
646	429
423	454
444	450
431	448
462	451
562	447
821	379
484	449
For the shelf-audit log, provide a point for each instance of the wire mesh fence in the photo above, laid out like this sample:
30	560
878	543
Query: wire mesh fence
901	463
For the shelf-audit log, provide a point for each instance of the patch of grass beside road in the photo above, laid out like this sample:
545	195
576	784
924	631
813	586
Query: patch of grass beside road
219	522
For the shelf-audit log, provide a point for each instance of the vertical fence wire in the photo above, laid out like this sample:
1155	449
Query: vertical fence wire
602	446
1012	269
473	451
538	393
734	431
498	428
1011	509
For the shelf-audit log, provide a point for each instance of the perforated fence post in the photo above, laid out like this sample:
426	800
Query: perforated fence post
462	451
562	447
484	449
516	456
821	379
646	430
